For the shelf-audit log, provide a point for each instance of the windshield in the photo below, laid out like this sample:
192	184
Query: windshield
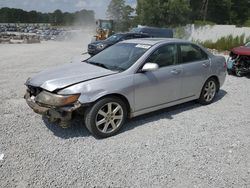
106	24
119	57
248	44
114	38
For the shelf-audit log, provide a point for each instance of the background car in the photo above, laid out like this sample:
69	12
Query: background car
126	80
239	60
98	46
155	32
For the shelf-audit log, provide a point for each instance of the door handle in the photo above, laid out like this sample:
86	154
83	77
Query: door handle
205	65
175	72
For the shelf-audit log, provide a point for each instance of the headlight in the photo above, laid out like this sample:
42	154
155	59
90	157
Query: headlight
101	46
51	99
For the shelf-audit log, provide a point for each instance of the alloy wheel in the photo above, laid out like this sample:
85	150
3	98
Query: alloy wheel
210	91
109	117
238	73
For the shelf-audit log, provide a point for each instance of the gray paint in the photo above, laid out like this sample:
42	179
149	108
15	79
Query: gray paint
145	92
68	74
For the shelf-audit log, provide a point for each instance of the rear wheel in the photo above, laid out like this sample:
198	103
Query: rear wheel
238	72
230	72
106	117
209	91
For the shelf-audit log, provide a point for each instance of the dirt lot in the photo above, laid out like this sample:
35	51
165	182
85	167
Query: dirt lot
185	146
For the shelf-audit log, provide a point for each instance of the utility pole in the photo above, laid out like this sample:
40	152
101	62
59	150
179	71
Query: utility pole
204	9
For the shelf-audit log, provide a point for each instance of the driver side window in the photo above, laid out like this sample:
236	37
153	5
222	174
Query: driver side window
164	56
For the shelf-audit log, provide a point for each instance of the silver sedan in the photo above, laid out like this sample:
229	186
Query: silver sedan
128	79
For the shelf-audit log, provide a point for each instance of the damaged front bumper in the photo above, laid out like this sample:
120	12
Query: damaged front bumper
238	63
54	114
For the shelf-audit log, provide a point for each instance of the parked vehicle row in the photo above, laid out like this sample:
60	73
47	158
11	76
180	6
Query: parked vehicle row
128	79
44	33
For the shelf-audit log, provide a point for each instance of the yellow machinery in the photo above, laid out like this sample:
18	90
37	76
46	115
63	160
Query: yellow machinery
104	28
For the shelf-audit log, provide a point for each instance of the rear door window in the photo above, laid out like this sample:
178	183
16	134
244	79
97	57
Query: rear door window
191	53
130	36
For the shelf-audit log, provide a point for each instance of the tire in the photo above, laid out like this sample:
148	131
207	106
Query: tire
230	72
209	91
106	117
238	73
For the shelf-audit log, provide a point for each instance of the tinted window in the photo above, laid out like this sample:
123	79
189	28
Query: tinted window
165	33
191	53
129	37
164	56
140	36
155	32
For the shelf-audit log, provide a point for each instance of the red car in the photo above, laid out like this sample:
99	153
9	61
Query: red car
239	60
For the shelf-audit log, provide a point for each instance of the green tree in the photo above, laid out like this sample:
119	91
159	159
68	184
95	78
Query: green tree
115	9
57	17
163	13
222	12
11	15
219	11
121	14
240	11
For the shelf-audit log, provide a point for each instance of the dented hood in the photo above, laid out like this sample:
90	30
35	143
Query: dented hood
242	50
67	75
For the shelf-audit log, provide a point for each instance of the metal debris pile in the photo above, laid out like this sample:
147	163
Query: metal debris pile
28	33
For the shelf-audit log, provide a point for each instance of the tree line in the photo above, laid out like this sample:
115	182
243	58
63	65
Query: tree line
161	13
12	15
168	13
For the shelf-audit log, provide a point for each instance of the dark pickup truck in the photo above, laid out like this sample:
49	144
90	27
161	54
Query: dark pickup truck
155	32
98	46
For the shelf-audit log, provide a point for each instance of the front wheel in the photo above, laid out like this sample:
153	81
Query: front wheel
230	72
106	117
238	72
208	92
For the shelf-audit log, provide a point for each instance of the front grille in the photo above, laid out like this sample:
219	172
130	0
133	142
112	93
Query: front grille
34	91
91	47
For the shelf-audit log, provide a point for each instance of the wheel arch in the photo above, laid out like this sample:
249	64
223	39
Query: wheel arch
217	80
120	96
201	99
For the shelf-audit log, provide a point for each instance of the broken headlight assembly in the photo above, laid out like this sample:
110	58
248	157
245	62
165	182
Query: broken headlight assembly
101	46
51	99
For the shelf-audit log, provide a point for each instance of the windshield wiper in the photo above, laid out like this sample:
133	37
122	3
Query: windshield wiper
97	64
100	65
112	68
115	68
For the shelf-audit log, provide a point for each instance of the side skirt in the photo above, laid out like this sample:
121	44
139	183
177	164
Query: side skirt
165	105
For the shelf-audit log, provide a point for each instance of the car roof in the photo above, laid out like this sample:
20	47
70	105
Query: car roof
153	41
131	33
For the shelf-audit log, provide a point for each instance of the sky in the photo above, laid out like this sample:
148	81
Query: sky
99	6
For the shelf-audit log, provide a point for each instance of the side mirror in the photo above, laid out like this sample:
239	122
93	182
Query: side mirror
148	67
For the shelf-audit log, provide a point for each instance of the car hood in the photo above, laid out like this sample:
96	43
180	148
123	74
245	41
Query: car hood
67	75
242	50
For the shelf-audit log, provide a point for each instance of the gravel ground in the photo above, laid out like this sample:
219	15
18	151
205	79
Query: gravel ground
184	146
